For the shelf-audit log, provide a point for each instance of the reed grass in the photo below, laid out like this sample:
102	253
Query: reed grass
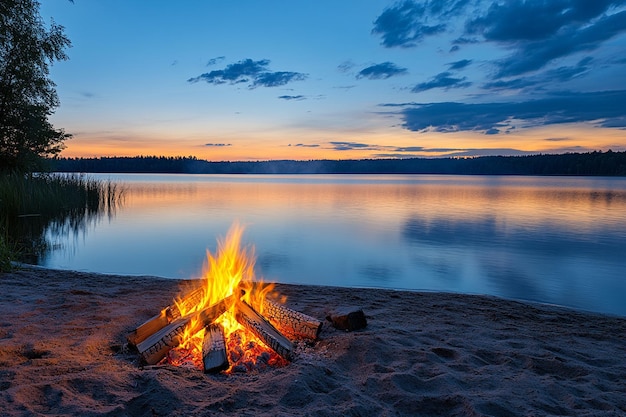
30	204
7	254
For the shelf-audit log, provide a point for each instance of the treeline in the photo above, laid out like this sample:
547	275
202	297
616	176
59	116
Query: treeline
589	164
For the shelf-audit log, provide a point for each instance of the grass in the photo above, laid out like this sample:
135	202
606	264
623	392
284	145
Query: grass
6	252
30	204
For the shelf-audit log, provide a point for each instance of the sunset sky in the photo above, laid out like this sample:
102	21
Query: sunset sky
260	80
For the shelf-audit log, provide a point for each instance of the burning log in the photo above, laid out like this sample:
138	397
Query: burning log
214	355
155	347
151	326
263	329
165	317
293	324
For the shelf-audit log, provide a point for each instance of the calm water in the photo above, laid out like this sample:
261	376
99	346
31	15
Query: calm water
549	239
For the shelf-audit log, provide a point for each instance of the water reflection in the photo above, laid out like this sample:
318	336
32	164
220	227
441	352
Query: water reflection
556	240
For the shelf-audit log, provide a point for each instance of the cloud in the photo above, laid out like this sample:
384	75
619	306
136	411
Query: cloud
294	98
248	71
603	108
541	32
536	55
515	21
346	66
302	145
406	23
459	65
215	60
276	79
443	80
533	35
218	144
381	71
556	75
349	146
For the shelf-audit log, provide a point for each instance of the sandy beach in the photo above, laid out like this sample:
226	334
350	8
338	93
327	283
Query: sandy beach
63	352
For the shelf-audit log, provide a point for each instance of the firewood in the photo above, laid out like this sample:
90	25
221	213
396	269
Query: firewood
165	317
263	329
155	347
347	318
214	355
151	326
291	323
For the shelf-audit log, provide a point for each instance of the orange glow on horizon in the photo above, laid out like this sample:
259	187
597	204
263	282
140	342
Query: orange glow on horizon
369	145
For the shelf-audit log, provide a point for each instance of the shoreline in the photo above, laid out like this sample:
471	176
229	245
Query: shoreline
62	337
408	290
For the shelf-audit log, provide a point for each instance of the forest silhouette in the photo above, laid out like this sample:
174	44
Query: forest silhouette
595	163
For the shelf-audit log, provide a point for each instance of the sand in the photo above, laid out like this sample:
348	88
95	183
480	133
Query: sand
62	352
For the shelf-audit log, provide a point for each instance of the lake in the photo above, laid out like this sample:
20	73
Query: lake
559	240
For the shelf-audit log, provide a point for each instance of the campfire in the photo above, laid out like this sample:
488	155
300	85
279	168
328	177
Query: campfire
227	321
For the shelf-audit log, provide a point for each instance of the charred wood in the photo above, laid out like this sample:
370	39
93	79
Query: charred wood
165	317
347	318
293	324
157	345
263	329
214	355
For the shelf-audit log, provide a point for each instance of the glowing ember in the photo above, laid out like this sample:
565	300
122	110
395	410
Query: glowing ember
229	272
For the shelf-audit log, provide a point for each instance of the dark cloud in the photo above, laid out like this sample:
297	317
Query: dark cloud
539	32
346	66
409	149
443	80
515	21
605	108
535	55
248	71
218	144
294	98
276	79
405	24
345	87
535	33
400	153
381	71
459	65
215	60
349	146
302	145
556	75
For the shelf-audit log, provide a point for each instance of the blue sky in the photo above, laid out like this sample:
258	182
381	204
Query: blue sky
253	80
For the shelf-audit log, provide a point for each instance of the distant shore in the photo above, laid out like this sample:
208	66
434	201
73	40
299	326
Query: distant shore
62	349
582	164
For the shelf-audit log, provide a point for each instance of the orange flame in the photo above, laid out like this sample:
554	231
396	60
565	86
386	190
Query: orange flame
229	272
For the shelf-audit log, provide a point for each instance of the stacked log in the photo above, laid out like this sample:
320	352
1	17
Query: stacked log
214	355
155	347
165	317
293	324
278	325
263	329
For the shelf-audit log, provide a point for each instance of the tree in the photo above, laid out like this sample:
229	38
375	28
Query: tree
27	94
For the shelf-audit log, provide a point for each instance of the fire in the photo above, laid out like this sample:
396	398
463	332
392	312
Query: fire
230	271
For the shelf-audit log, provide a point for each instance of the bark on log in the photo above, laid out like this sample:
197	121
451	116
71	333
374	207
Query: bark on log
347	318
155	347
165	317
263	329
150	327
214	355
293	324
